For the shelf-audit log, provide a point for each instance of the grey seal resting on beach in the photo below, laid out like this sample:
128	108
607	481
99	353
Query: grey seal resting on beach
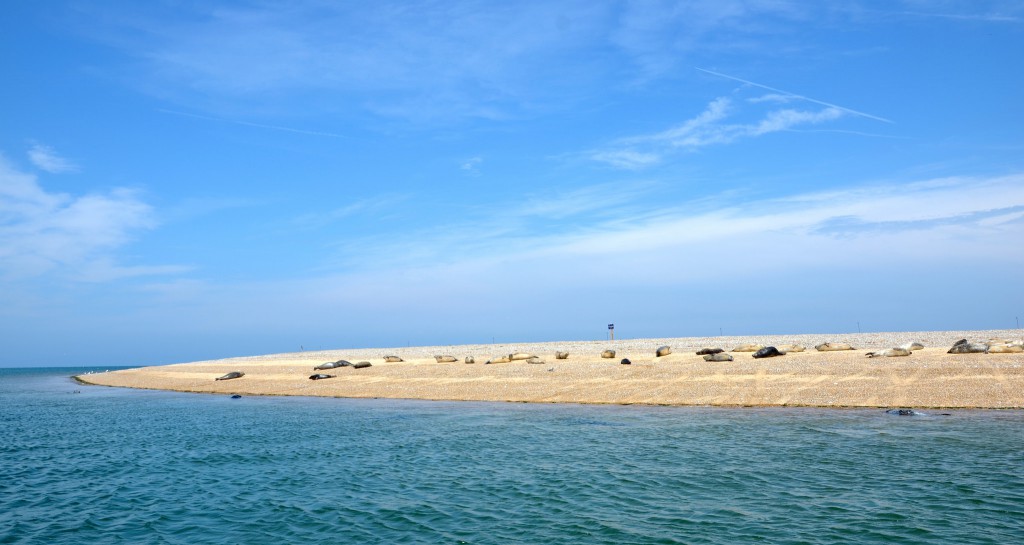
498	359
748	348
520	356
470	359
719	356
608	354
361	365
706	351
786	348
329	365
662	351
231	375
889	353
392	359
446	359
625	361
1008	348
320	376
832	347
768	352
534	359
561	355
964	347
911	346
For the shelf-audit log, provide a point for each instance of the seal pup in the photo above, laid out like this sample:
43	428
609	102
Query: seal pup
498	359
392	359
535	359
445	359
361	365
832	347
470	359
706	351
625	361
662	351
608	354
718	356
889	353
791	348
1008	348
561	355
320	376
964	347
912	346
520	356
231	375
767	352
330	365
748	348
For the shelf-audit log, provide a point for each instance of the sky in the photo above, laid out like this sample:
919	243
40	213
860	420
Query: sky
185	180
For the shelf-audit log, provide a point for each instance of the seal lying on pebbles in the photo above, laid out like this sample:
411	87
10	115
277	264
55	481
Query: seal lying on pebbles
446	359
889	353
832	347
392	359
625	361
786	348
231	375
361	365
608	354
719	356
911	346
747	348
470	359
534	359
331	365
662	351
498	359
706	351
320	376
768	352
561	355
964	347
520	356
1009	348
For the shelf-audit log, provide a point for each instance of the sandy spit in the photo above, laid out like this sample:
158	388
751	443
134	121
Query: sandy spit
929	378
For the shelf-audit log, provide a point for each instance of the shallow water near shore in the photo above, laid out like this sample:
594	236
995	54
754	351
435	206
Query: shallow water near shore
111	465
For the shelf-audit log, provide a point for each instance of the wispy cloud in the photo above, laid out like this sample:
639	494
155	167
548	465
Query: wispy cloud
46	158
255	125
42	232
471	166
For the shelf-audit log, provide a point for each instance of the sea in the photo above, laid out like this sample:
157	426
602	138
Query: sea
95	465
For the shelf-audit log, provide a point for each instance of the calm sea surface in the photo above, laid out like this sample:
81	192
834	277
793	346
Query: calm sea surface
110	465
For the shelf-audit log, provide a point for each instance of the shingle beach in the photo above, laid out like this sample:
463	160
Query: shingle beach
928	378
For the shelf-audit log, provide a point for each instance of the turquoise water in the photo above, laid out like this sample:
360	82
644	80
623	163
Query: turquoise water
110	465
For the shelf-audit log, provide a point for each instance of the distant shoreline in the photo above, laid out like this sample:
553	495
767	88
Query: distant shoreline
929	378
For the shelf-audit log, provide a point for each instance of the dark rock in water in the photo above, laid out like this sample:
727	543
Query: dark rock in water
236	396
767	352
626	361
903	412
361	365
707	351
964	347
231	375
319	376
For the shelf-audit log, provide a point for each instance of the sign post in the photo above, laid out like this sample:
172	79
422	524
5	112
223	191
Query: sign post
611	331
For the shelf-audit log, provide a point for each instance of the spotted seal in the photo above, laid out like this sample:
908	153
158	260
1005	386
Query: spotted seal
393	359
320	376
964	347
534	359
331	365
498	359
768	352
361	365
608	354
470	359
662	351
889	353
231	375
446	359
786	348
748	348
718	356
706	351
912	346
1008	348
832	347
520	356
561	355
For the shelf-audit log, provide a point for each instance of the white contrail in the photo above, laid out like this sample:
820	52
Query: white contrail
794	95
248	124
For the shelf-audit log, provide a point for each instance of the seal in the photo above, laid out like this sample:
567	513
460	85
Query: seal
911	346
964	347
706	351
786	348
534	359
1008	348
720	356
498	359
329	365
625	361
520	356
662	351
561	355
445	359
320	376
832	347
903	412
889	353
747	348
392	359
236	396
470	359
608	354
361	365
231	375
768	352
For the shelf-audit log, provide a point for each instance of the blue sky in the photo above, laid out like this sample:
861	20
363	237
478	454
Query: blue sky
187	180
